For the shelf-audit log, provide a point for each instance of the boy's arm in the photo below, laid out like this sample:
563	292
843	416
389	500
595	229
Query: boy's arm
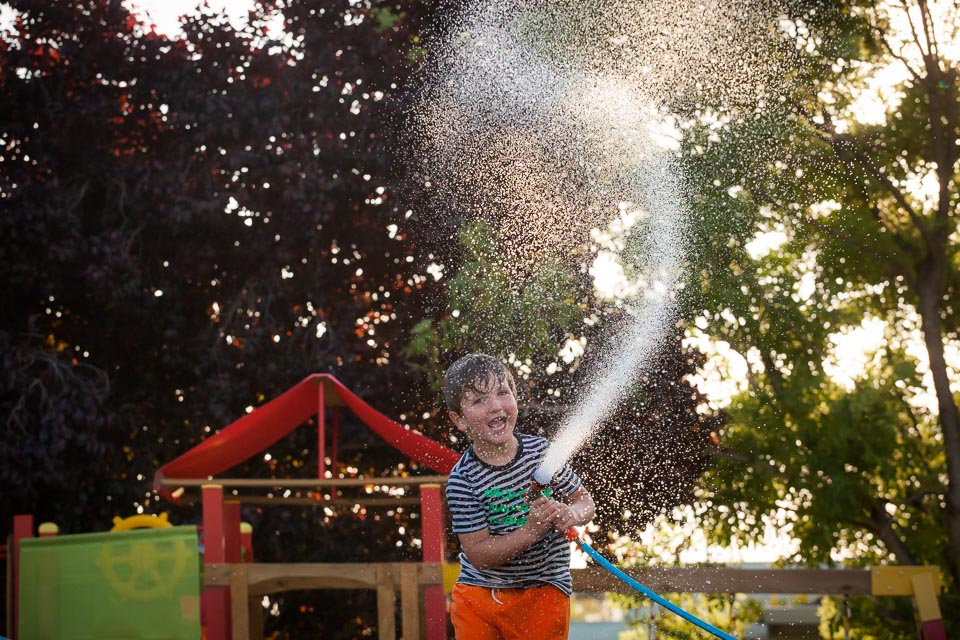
485	551
577	511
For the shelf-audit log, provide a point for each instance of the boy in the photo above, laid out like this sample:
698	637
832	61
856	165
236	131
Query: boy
515	563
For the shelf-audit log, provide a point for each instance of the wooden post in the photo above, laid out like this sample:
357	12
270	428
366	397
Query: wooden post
255	616
215	600
239	602
213	531
927	608
231	530
410	600
336	439
246	542
22	528
386	605
321	431
434	542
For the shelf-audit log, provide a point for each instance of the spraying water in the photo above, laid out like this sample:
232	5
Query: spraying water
547	119
651	315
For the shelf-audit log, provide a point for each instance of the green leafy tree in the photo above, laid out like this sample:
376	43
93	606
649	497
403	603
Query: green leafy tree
490	307
840	619
863	210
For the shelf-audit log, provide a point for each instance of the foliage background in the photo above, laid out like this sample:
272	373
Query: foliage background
192	225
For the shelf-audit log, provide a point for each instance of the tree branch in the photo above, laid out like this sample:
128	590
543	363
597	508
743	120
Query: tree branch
926	20
847	151
900	267
916	499
913	28
882	35
882	524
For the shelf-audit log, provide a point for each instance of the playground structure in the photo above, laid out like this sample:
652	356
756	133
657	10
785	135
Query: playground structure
234	585
250	435
247	582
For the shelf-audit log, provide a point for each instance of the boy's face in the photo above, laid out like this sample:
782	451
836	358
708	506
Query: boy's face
488	418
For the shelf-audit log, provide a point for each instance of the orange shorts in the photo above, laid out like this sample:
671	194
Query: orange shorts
537	613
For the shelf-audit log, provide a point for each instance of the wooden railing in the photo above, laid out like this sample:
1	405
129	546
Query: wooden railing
249	582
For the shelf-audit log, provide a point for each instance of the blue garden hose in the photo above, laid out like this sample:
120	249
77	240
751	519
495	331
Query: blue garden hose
603	562
536	489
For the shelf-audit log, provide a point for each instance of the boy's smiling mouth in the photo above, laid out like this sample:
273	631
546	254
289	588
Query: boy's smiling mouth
498	425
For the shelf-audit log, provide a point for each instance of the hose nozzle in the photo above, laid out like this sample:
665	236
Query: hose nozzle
537	489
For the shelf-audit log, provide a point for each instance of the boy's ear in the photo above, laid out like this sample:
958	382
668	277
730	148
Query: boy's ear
457	419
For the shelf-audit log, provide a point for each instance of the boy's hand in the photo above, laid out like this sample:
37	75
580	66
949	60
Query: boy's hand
542	515
565	518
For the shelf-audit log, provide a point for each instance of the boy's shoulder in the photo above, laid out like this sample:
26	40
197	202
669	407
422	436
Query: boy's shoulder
532	444
467	463
463	462
530	437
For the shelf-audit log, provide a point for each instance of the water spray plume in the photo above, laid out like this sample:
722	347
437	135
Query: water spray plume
550	118
652	314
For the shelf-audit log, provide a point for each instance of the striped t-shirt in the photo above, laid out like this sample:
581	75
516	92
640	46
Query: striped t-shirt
482	495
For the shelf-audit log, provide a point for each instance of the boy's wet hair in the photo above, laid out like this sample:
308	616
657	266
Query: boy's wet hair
473	373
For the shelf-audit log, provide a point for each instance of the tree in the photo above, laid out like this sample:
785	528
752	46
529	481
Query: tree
191	226
864	209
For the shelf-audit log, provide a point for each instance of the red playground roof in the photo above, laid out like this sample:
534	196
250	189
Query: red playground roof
256	431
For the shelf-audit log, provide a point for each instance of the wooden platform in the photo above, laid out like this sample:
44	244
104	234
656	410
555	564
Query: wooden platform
249	582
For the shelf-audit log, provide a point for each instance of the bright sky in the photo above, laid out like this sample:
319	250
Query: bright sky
166	13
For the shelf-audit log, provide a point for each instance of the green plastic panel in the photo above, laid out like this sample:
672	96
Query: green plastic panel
135	584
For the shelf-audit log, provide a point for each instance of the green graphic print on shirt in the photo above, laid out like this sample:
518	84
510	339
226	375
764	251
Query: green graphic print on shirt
509	506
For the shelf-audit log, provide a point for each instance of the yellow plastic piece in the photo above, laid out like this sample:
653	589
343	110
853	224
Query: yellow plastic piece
145	571
451	572
48	529
246	527
141	522
925	598
898	581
